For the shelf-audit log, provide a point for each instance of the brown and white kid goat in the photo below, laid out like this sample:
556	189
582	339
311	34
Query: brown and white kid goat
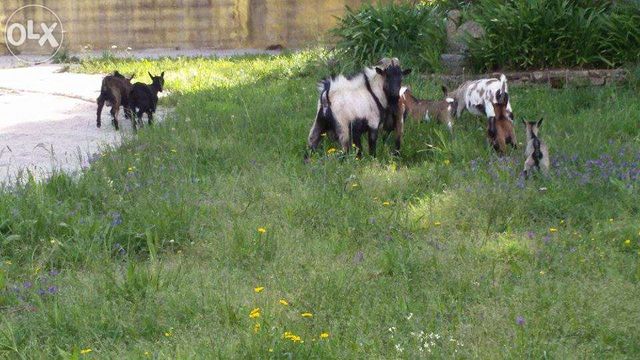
500	131
427	110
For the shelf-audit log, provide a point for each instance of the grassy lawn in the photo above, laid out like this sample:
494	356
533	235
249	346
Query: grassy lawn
157	250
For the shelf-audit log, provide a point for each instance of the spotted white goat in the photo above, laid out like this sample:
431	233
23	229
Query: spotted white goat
348	107
471	96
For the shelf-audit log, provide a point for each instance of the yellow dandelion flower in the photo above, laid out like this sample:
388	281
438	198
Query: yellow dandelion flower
447	162
542	272
561	222
386	203
331	151
437	223
553	230
284	302
132	169
324	335
262	230
258	289
168	334
256	328
255	313
354	185
174	151
611	220
627	242
306	315
146	353
270	350
85	351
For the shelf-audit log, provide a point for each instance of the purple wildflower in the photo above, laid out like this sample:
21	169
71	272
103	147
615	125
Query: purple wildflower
54	272
547	239
531	234
41	292
52	289
520	320
116	219
28	285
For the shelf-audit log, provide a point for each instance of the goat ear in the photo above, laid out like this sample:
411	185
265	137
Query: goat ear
379	71
162	75
151	76
540	122
524	122
445	90
407	72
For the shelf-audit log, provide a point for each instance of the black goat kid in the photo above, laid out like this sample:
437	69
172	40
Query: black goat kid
143	99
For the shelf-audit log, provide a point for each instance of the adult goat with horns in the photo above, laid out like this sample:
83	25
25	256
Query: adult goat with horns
349	107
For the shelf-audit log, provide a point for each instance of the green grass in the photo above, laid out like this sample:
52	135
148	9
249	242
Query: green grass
159	252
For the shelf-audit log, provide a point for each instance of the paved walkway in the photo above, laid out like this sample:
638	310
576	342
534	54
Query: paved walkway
48	122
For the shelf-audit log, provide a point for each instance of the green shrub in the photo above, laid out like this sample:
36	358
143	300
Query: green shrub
555	33
414	33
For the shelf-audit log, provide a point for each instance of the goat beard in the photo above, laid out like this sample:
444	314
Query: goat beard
390	114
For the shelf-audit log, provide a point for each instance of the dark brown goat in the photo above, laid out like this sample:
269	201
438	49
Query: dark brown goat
500	131
114	91
144	98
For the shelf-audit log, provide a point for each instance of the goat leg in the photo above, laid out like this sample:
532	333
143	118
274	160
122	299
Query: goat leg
373	139
100	106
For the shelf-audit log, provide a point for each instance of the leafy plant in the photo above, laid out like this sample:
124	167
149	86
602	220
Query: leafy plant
554	33
414	33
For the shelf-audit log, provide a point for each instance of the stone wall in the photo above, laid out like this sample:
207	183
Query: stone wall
189	23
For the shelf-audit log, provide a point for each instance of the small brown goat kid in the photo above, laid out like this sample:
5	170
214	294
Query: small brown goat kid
536	153
427	110
500	132
114	91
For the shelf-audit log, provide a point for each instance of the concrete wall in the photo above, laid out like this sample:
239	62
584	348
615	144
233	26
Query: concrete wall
189	23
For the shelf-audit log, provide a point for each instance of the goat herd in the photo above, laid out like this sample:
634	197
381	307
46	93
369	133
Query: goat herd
372	100
375	99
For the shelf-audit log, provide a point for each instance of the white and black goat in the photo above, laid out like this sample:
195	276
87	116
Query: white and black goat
349	107
537	152
472	95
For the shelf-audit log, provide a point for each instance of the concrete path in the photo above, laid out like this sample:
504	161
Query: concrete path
48	122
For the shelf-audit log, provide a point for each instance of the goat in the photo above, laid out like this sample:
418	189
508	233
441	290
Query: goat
472	95
500	130
536	153
115	92
425	110
348	107
144	99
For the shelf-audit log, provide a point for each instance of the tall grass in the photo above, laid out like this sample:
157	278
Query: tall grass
414	33
537	34
531	34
